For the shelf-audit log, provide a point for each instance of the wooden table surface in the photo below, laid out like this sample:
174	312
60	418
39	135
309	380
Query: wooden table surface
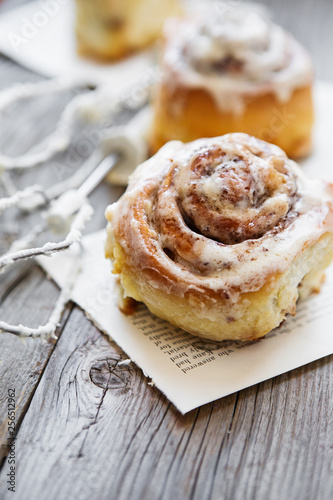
87	437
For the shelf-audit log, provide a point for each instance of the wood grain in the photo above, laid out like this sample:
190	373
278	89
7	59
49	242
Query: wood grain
96	429
22	361
91	428
30	298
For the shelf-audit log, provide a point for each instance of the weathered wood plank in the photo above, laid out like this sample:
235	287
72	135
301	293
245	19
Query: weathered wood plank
79	440
22	361
85	412
122	439
32	300
36	118
278	445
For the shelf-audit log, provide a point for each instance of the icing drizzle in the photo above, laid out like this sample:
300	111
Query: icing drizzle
218	214
235	53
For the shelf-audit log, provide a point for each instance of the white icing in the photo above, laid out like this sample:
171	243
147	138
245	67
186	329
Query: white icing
75	234
234	54
245	266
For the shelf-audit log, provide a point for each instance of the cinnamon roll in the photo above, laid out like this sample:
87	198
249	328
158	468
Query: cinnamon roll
234	72
221	236
110	29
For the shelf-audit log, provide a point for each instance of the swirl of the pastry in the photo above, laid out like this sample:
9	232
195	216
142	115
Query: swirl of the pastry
210	232
227	192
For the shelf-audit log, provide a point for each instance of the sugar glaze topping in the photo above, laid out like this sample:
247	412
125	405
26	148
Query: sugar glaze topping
218	214
235	53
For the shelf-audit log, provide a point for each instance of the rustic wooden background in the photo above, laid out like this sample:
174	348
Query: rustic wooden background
87	430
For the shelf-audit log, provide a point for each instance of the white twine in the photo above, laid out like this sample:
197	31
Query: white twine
92	106
58	140
73	182
35	196
27	240
19	196
35	89
21	253
74	235
48	330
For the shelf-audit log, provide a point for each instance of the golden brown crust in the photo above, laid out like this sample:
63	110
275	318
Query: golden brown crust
288	125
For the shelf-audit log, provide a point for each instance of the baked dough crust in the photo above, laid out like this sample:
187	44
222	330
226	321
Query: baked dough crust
221	236
288	125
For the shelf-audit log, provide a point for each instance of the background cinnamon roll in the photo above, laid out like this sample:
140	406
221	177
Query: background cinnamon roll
233	71
221	236
110	29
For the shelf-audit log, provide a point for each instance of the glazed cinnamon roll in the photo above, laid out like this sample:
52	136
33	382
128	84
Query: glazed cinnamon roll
110	29
233	72
221	236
